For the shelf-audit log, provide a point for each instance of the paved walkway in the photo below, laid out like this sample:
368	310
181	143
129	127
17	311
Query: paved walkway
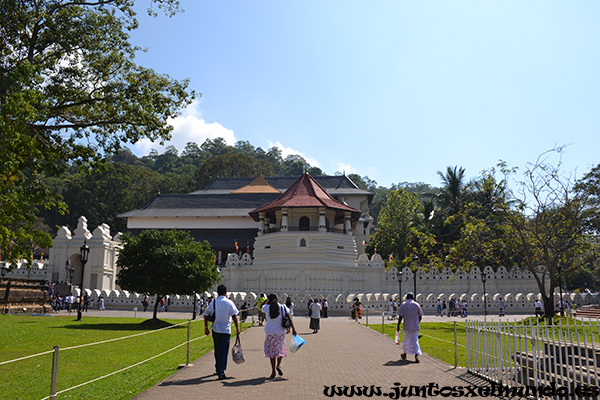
342	353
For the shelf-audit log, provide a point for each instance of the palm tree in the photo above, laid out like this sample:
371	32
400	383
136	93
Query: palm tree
453	195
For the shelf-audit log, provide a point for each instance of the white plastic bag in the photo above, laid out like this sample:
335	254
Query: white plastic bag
296	343
397	337
236	352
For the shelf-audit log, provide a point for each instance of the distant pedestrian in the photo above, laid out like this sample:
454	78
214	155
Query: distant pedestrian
411	312
275	333
315	316
244	311
325	308
86	302
439	307
538	308
290	305
101	303
262	300
501	307
444	312
452	308
145	304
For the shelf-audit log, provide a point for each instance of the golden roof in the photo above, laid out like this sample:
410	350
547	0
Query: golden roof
258	185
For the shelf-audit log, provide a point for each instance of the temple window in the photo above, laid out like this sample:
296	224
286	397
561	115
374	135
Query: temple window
304	224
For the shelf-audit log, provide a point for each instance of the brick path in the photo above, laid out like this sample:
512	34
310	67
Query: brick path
342	353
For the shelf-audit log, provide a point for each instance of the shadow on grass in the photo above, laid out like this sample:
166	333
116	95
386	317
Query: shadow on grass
146	325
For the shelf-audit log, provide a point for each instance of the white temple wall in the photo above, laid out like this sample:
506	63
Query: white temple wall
338	249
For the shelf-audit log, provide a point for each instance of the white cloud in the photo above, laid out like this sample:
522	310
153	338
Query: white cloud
345	168
286	151
189	127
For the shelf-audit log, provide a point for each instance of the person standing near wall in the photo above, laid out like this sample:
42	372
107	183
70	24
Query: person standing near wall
315	316
224	311
411	312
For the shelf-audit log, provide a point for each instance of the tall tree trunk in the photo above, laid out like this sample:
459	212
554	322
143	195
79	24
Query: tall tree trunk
156	303
548	305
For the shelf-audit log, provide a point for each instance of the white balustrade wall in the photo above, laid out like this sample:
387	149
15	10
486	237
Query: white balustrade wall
515	301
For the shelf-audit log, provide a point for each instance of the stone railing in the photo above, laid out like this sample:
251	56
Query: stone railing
340	304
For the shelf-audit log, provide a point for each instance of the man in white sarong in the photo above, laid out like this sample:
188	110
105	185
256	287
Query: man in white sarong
411	312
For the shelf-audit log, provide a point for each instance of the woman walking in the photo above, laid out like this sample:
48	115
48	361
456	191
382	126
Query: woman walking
275	333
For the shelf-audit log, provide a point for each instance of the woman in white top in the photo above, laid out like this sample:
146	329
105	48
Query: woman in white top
275	333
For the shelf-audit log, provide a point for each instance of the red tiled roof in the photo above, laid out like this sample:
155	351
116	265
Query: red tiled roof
305	192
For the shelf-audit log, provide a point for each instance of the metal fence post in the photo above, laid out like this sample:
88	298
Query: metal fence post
455	348
188	342
54	373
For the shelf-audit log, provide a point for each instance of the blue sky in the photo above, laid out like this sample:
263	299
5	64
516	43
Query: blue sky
395	90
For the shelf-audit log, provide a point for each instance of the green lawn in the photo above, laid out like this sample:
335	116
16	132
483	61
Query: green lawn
30	379
437	339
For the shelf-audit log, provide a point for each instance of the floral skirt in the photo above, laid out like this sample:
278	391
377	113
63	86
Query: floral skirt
275	346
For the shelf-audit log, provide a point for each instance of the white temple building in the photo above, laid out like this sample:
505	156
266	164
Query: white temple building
300	237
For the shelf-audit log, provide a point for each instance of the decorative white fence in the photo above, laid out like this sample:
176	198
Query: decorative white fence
516	355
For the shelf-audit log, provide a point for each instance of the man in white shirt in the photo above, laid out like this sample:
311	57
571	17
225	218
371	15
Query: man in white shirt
538	308
224	311
411	312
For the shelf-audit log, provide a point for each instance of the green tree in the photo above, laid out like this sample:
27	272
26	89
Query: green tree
103	194
160	263
541	228
397	219
232	165
482	239
70	92
589	186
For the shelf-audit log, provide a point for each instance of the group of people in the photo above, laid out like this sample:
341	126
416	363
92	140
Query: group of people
223	311
69	302
567	308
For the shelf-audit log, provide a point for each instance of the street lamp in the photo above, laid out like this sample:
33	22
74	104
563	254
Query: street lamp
483	279
562	304
3	271
84	252
399	286
416	261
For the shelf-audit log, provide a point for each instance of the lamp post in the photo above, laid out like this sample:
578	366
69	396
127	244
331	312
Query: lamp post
84	252
399	286
416	262
483	280
3	271
562	304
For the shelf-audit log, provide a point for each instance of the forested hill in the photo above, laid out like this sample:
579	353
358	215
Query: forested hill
127	182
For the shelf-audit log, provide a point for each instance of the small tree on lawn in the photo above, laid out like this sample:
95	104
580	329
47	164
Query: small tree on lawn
165	262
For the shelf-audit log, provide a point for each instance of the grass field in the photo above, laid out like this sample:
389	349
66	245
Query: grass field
30	379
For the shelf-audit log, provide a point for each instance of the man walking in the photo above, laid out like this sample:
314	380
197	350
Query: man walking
224	310
411	312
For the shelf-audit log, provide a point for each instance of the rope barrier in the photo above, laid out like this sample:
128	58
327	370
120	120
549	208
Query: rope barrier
124	369
91	344
26	357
